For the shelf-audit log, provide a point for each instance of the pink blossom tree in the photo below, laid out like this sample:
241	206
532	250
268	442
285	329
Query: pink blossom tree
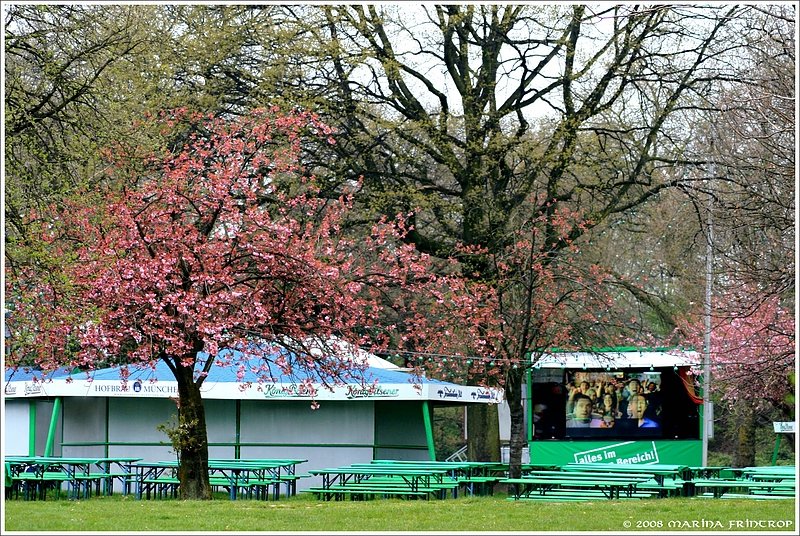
218	244
752	356
752	350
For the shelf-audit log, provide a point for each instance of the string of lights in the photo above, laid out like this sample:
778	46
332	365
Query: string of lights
469	360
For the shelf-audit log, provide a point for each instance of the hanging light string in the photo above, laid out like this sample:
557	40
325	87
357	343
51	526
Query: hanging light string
491	361
431	356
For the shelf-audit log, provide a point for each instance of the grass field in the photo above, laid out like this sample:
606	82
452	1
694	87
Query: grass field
480	514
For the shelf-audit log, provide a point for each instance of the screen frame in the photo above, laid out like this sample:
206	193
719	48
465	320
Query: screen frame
548	397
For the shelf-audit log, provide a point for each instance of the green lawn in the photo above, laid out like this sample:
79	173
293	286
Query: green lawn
483	514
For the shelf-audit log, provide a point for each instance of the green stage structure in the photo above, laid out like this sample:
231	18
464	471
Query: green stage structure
652	411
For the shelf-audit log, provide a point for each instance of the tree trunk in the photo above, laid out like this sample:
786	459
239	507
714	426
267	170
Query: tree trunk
483	433
745	454
513	393
192	438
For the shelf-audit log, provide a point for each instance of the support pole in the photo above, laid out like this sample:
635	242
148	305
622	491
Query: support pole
426	417
107	432
707	422
777	448
237	449
51	433
32	427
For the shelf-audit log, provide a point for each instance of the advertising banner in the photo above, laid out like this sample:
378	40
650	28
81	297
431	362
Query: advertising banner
682	452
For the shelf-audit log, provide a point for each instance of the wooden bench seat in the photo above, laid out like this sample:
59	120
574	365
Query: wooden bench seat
126	479
566	494
669	488
387	486
36	486
611	488
364	492
753	496
721	487
479	485
583	491
290	481
162	486
86	482
439	488
259	489
781	493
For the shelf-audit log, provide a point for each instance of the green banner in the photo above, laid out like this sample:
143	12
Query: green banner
682	452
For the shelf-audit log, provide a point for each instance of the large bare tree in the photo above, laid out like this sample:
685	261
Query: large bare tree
481	118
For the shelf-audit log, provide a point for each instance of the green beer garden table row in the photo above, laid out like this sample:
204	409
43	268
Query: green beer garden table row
395	480
564	484
764	482
660	471
478	478
758	488
36	474
234	474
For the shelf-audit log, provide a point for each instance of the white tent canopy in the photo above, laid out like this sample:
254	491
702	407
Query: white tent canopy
380	380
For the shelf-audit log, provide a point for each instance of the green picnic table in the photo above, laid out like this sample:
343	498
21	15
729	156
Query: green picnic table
254	476
557	481
377	479
769	472
257	474
757	488
659	471
669	479
478	478
36	474
707	471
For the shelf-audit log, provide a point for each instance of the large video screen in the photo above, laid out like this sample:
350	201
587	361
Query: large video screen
613	403
620	404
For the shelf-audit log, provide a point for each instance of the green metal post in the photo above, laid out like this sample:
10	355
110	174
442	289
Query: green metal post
237	449
32	428
51	433
777	446
426	416
107	431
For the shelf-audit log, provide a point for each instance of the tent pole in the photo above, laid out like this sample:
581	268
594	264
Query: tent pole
32	427
426	417
237	449
108	437
777	448
51	433
707	422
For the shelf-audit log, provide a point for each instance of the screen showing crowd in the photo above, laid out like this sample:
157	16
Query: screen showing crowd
623	404
628	403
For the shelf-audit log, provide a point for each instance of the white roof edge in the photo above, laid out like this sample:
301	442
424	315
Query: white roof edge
621	359
433	392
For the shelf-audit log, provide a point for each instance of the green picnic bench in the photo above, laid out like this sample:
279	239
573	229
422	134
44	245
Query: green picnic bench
668	479
37	485
556	483
161	486
476	478
384	486
720	487
359	492
479	485
360	480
